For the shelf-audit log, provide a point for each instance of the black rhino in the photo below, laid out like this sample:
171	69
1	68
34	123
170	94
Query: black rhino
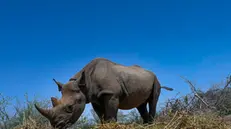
108	86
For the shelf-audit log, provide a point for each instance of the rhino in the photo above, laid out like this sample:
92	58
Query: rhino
108	87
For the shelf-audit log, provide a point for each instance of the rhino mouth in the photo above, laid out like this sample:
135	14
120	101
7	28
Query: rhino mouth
63	125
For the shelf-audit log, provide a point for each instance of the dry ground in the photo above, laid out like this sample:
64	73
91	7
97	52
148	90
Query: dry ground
176	121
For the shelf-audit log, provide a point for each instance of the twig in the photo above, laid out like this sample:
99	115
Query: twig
166	127
194	91
227	84
222	93
177	121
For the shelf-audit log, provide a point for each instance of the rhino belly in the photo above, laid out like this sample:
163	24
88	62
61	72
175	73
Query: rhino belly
134	99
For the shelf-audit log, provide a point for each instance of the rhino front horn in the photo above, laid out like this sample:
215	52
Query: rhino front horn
44	112
60	85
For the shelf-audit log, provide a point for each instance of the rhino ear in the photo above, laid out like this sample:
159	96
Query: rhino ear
82	81
60	85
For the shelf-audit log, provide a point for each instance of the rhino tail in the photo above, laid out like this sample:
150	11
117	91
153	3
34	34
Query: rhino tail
167	88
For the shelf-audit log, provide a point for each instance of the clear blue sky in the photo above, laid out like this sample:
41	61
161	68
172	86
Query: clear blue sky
41	40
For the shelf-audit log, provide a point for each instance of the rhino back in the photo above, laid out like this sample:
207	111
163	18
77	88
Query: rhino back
134	78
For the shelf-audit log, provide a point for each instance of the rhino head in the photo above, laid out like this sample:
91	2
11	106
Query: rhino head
66	111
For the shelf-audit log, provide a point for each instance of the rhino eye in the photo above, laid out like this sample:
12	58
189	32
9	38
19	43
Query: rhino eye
68	108
79	100
76	90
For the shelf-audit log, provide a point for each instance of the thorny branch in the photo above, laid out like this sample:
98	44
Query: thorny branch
194	91
219	100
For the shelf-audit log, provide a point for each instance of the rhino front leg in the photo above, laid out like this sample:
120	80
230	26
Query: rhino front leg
111	103
99	109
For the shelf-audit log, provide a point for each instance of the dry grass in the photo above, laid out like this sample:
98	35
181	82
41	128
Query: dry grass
180	120
32	124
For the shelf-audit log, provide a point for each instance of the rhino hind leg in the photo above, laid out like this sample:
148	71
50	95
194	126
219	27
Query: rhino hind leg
153	103
142	109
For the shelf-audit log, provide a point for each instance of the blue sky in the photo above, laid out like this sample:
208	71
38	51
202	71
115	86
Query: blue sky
42	40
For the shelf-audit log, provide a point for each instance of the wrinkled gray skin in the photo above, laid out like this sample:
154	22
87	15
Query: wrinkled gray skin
108	86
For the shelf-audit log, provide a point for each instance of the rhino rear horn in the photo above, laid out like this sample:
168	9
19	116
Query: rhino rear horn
54	101
60	85
44	112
